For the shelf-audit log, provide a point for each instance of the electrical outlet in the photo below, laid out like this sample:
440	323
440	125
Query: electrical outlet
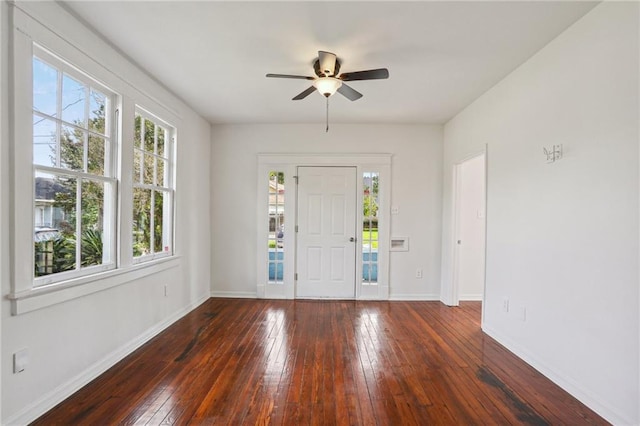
505	305
395	210
20	361
419	273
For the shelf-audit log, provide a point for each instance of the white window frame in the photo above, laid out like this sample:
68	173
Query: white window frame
288	164
109	178
24	296
169	187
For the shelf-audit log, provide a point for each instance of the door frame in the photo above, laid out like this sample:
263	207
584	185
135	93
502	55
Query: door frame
457	182
288	163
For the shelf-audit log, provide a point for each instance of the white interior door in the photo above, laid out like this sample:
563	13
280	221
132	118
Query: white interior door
326	237
471	229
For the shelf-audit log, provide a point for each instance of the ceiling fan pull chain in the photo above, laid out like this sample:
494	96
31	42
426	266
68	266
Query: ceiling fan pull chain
327	130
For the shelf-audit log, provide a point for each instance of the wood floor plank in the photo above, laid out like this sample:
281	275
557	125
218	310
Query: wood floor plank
280	362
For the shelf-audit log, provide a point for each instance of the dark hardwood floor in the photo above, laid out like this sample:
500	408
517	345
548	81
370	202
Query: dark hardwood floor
322	362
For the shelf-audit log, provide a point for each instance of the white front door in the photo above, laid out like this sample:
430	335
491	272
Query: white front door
326	237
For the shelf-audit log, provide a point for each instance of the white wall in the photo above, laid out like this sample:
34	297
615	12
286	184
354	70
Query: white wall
416	191
562	239
71	342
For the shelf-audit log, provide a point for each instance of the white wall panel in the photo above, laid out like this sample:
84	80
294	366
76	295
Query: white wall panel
71	342
416	191
562	238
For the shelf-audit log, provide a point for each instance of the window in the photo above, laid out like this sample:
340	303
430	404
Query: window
370	203
152	187
276	227
73	143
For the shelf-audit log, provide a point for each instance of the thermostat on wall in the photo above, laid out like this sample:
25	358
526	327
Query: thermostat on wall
399	244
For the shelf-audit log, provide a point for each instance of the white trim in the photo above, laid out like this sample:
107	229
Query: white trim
451	295
594	402
470	298
426	297
42	297
234	294
60	393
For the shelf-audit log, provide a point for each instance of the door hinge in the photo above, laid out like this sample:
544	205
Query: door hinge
296	179
296	228
295	276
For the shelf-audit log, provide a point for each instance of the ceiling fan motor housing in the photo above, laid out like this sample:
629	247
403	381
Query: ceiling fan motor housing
320	73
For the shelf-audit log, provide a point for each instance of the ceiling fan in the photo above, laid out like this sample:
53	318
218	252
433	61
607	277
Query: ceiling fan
328	80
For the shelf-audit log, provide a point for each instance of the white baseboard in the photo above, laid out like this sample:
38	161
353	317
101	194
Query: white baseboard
416	297
235	294
471	297
59	394
587	398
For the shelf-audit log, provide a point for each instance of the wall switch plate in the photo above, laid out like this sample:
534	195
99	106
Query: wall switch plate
20	360
505	305
395	210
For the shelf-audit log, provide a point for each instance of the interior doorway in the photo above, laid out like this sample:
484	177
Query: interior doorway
470	229
326	233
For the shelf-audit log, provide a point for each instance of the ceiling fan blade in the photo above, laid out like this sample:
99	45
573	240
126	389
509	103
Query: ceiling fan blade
304	94
327	62
349	92
300	77
377	74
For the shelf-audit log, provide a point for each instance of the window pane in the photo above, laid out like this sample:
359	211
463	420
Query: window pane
45	87
92	207
44	141
158	212
72	148
276	227
137	138
370	184
149	130
73	98
97	108
54	230
137	163
160	168
95	155
141	221
147	171
162	134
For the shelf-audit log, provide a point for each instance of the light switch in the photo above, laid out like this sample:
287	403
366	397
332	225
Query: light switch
20	360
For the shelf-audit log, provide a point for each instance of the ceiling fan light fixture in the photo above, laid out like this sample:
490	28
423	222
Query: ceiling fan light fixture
327	86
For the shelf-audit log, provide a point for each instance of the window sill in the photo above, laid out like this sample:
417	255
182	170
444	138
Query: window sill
42	297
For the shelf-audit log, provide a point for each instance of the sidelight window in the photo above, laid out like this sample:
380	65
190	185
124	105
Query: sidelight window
276	227
370	203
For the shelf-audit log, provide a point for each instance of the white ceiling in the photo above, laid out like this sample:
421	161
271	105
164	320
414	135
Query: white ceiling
440	55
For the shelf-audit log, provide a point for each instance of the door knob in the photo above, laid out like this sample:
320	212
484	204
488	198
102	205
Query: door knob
352	239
